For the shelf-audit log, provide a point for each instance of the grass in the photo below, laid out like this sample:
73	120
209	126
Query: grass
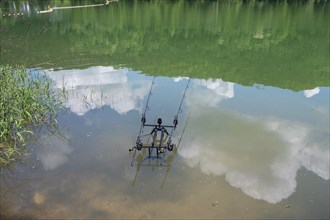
27	101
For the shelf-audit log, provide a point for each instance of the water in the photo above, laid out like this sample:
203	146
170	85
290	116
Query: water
254	126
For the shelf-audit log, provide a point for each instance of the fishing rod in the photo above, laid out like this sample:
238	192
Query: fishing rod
170	146
138	143
146	108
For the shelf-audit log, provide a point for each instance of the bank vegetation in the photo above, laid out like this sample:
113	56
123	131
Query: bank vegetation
27	102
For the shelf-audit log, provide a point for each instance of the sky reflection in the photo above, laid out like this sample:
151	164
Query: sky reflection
261	155
53	151
311	92
100	86
209	92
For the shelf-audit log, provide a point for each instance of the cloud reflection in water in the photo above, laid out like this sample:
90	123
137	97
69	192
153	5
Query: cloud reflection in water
311	92
259	155
99	86
53	151
209	92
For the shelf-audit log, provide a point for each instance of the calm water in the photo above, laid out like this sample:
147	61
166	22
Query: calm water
253	137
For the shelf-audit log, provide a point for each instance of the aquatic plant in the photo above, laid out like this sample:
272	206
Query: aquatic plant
27	101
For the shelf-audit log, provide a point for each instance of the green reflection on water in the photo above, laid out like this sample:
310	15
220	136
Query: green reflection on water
283	44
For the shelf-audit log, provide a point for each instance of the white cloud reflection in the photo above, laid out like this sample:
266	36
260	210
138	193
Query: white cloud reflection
209	92
53	151
311	92
260	156
178	79
99	86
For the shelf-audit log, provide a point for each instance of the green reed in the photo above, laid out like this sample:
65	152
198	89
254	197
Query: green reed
27	101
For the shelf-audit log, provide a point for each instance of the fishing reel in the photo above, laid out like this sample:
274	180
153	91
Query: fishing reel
175	121
139	146
170	147
143	119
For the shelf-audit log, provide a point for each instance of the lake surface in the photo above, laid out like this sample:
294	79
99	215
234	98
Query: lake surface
253	137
